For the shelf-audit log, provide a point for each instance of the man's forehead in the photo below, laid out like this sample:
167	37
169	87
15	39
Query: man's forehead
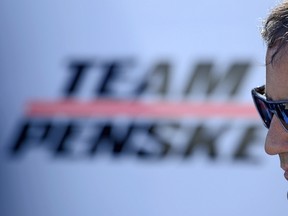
275	54
271	56
277	74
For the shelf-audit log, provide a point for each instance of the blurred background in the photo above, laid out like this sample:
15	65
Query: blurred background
134	108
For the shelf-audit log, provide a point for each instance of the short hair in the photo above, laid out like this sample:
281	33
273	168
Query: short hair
275	28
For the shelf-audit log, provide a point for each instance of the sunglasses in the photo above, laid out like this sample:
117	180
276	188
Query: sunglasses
267	108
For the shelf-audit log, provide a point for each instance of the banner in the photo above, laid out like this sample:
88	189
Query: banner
134	108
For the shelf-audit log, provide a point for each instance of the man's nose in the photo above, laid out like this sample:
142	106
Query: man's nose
277	138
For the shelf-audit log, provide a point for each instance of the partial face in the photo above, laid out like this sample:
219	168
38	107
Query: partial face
277	89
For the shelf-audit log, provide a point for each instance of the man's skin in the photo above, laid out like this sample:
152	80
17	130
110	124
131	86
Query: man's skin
277	89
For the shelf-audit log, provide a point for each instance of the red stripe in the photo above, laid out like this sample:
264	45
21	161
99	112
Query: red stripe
113	108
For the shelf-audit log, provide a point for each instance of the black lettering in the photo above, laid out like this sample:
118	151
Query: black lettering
30	131
77	69
35	133
154	137
206	81
63	135
111	137
112	72
156	82
204	138
251	134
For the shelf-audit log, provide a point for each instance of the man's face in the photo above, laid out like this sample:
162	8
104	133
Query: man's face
277	89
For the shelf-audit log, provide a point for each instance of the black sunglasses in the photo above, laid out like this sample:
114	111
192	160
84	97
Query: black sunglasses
267	108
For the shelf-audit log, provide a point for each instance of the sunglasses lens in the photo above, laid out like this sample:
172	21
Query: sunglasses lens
264	112
282	113
267	109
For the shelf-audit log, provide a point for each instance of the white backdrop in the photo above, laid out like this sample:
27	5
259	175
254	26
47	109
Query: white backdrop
39	39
